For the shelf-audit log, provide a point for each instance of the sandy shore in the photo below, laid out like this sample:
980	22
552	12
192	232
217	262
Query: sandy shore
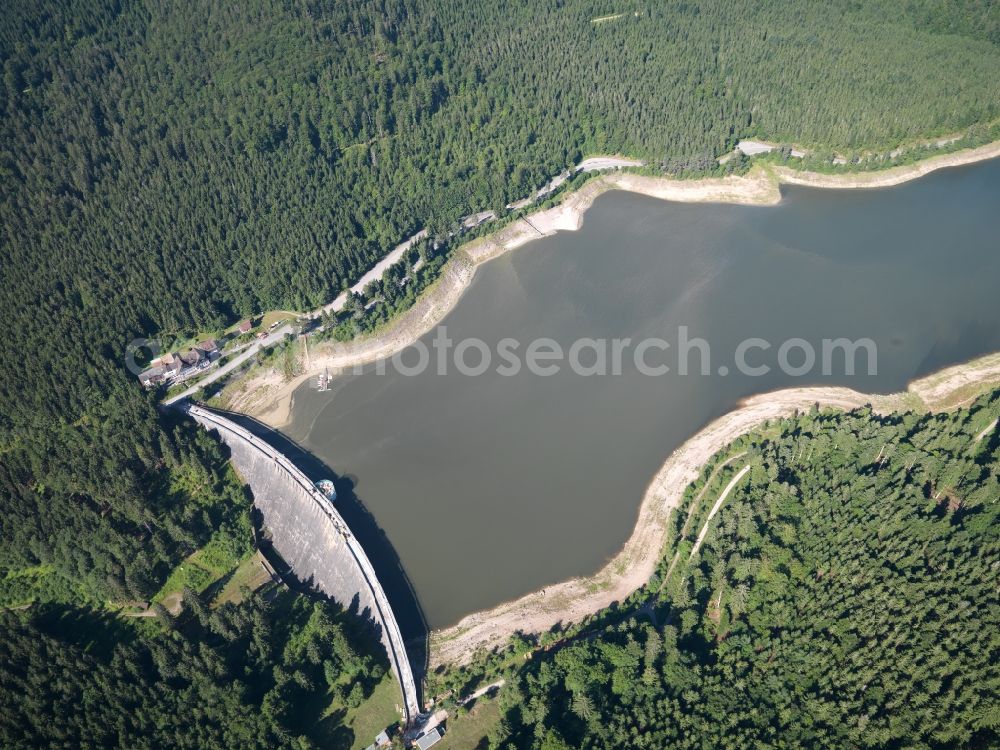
891	176
631	568
957	386
267	395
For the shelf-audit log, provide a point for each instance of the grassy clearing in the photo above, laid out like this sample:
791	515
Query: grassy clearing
230	543
276	316
181	344
191	483
249	574
370	718
202	568
468	731
233	330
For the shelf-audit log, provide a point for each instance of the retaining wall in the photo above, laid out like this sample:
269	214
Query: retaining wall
313	538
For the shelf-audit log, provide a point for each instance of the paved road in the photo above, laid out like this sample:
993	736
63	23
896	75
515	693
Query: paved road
270	340
987	431
373	275
474	220
750	148
592	164
279	333
595	163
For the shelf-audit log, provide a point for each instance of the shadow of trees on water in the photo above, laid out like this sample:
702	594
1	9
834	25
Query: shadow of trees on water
373	538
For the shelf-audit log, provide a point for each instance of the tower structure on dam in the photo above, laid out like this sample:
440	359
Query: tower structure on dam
313	538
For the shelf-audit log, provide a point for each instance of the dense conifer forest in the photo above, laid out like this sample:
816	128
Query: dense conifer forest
172	167
845	596
240	676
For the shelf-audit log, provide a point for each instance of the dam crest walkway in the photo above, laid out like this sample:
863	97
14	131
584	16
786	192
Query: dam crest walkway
314	539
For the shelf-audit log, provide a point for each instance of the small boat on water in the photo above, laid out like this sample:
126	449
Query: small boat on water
326	487
323	381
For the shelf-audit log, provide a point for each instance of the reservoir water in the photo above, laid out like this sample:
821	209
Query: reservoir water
493	486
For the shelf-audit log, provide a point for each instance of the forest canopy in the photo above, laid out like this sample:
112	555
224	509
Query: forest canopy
170	168
243	675
845	596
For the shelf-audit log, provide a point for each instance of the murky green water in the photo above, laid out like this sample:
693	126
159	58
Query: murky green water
490	487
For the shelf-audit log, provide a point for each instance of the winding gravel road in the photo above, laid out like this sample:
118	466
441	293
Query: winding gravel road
592	164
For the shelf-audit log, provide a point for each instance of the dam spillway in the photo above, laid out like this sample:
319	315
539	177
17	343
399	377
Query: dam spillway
313	538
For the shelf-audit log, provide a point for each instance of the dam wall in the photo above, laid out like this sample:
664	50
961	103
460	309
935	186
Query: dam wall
312	537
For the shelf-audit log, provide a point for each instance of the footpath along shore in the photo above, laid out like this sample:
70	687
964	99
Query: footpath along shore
267	395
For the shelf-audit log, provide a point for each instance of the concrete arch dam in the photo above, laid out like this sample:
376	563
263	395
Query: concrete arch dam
313	538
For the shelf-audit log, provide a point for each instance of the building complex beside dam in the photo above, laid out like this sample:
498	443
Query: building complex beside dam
313	538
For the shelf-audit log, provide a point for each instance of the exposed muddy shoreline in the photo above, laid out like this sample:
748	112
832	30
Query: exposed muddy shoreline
632	567
266	395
